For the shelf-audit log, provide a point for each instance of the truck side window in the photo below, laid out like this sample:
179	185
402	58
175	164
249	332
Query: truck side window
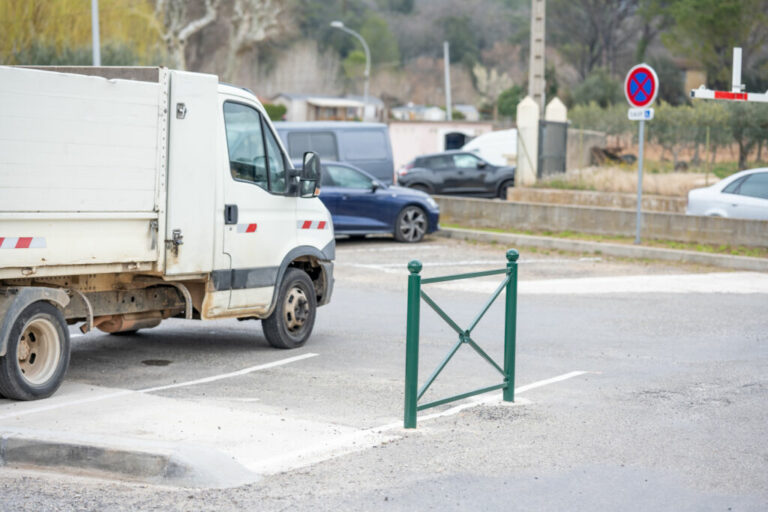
254	155
275	162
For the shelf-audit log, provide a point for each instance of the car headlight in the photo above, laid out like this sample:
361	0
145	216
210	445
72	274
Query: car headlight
431	202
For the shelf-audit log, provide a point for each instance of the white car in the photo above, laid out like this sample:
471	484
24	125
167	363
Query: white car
743	195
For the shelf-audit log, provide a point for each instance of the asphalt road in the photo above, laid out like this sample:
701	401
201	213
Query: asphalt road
650	395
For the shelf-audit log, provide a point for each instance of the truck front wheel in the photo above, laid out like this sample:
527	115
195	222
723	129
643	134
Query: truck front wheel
37	355
291	323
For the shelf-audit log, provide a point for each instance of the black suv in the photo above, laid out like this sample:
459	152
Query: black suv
456	172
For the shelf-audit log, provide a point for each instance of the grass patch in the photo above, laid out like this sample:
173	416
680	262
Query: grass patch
733	250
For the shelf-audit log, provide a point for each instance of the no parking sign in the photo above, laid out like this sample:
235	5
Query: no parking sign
641	88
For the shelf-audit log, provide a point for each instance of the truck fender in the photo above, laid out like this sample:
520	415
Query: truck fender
15	300
325	262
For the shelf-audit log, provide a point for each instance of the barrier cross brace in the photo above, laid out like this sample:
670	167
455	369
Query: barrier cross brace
415	294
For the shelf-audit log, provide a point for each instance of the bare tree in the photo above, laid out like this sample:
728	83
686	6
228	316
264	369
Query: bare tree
490	84
176	30
252	21
592	33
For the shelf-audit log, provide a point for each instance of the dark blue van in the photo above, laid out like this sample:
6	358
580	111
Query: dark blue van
365	145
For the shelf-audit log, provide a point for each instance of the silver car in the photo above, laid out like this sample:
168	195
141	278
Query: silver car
743	195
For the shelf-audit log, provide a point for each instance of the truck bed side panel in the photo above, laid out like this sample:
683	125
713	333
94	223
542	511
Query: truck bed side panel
78	171
76	143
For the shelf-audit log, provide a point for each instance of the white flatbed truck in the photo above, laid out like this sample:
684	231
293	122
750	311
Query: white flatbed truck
132	195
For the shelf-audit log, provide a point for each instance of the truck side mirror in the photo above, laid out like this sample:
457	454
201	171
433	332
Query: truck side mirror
310	175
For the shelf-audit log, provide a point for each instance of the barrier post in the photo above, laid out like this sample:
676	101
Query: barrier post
510	326
412	344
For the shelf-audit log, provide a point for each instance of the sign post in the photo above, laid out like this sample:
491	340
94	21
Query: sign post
640	87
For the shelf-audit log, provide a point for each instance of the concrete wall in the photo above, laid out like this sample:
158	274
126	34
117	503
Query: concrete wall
600	199
483	213
580	142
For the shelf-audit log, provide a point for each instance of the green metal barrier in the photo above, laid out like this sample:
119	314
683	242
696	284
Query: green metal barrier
415	294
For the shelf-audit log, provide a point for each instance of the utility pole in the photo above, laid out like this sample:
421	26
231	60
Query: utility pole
536	81
95	33
447	60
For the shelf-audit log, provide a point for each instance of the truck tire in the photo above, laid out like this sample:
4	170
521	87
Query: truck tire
37	355
291	323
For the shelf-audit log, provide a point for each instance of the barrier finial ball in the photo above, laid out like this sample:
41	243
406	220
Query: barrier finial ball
414	266
512	255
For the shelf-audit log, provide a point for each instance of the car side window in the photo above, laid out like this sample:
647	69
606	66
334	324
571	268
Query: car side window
254	155
344	177
733	188
322	143
755	185
465	161
438	163
325	178
364	145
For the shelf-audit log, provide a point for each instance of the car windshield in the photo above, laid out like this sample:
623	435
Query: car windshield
344	177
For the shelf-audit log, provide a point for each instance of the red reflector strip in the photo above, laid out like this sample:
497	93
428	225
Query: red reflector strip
725	95
312	224
22	242
247	228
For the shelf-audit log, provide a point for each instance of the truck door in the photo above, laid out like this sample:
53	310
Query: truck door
189	229
259	219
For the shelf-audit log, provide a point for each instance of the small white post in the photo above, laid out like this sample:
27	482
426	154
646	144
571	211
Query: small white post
736	78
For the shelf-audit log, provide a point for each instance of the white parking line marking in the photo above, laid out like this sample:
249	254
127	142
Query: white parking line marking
244	371
498	263
495	397
344	250
124	392
715	282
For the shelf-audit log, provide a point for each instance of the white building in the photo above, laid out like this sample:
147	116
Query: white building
316	107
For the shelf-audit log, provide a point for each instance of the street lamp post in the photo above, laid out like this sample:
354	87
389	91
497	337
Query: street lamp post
340	26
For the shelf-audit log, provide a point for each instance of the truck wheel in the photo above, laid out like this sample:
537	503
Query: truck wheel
411	224
290	324
37	356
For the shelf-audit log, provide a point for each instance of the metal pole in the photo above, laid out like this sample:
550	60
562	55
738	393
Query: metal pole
639	219
736	74
510	326
447	61
95	33
412	344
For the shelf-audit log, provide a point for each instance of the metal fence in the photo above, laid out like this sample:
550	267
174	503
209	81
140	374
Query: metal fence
412	392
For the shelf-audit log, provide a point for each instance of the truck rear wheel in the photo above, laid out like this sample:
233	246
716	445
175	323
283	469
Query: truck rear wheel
37	355
291	323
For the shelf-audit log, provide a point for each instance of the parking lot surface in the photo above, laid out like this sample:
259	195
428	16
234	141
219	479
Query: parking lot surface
640	386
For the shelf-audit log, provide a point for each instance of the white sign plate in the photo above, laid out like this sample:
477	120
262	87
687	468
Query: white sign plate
640	114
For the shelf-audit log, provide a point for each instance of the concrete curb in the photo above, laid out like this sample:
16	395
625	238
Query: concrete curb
619	250
177	465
